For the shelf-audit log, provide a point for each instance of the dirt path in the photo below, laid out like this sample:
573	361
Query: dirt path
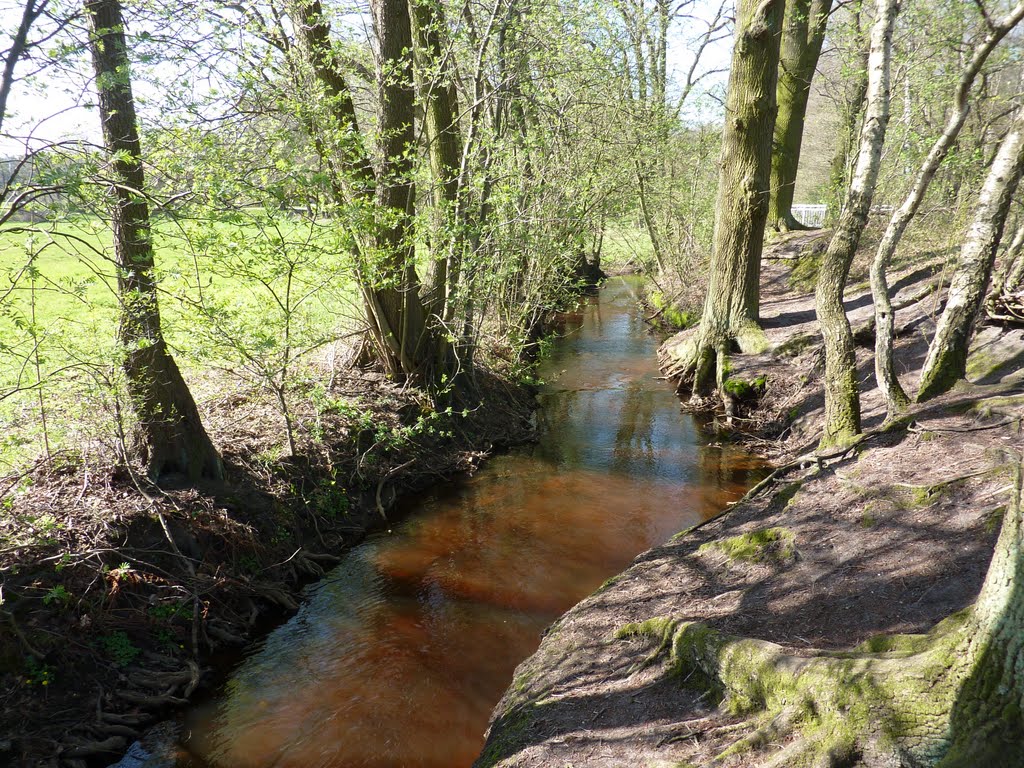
891	537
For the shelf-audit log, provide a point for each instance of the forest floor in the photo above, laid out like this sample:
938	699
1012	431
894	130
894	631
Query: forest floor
120	600
890	536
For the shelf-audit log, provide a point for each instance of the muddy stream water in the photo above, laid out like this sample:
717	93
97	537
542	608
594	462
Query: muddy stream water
399	655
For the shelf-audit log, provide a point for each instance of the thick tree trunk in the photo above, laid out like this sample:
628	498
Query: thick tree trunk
732	304
842	397
169	436
398	311
802	38
947	356
885	321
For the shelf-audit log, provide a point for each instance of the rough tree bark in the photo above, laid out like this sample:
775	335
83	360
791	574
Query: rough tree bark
802	38
731	308
842	397
947	356
885	321
169	435
1012	275
435	81
379	200
952	698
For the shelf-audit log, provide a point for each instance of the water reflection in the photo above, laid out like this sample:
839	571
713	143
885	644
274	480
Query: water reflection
398	657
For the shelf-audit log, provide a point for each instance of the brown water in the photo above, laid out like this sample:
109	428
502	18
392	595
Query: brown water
398	657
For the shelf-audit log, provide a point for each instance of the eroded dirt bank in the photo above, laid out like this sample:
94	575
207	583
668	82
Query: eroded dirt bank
889	537
121	600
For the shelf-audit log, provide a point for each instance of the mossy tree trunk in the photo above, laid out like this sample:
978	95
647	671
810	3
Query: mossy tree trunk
802	37
885	322
731	308
842	396
947	356
169	434
952	698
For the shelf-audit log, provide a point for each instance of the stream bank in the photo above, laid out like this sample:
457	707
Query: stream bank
890	536
122	601
426	621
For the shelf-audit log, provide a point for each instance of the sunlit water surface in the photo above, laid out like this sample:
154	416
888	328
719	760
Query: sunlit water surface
398	657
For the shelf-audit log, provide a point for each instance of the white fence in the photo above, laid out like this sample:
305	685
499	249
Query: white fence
810	215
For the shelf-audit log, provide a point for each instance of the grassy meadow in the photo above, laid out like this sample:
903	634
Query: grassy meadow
243	301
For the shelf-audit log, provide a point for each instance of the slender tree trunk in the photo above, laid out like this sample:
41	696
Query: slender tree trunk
19	47
405	339
850	113
842	396
885	322
947	356
1012	274
169	436
436	79
731	307
802	38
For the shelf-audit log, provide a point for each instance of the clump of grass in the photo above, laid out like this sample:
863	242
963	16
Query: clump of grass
766	545
671	315
805	272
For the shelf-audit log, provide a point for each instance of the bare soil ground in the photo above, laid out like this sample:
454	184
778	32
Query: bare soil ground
120	600
888	538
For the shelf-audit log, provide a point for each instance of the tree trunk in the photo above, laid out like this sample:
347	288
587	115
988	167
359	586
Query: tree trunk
398	312
947	356
842	397
731	307
405	339
435	79
1012	274
169	436
850	112
885	321
19	48
802	38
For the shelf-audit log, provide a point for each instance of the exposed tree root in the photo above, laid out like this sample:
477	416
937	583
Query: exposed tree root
702	362
951	698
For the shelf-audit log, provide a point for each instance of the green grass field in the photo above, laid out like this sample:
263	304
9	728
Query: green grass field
626	244
245	296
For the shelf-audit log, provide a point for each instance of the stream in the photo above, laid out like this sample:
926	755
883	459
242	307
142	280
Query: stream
398	656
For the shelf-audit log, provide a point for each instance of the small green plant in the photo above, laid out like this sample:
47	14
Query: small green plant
120	648
330	499
165	611
37	673
57	594
671	315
